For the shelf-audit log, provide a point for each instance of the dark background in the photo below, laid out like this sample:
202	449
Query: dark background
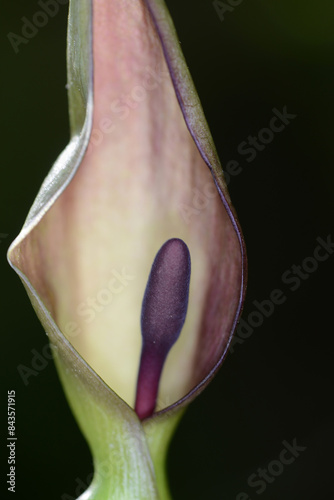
276	385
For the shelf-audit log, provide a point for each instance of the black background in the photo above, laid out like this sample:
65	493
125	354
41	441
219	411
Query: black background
276	385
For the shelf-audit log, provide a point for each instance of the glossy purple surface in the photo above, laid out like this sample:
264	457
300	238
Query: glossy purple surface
163	315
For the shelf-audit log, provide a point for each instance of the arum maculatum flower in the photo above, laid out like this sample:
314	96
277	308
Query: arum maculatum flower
131	239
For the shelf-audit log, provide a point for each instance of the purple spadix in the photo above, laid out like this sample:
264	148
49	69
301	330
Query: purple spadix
163	315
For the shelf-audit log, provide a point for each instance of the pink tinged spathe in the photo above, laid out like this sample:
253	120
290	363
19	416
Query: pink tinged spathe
112	204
